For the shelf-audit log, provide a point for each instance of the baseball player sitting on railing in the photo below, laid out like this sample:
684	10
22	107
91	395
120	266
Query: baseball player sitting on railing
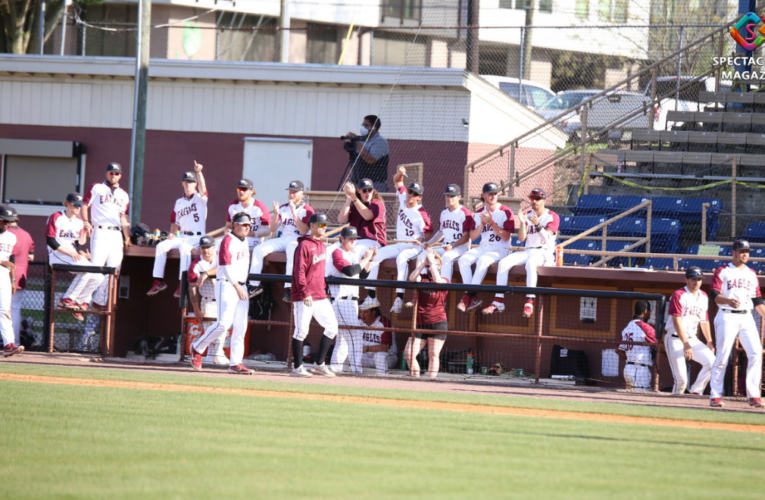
187	225
637	370
258	212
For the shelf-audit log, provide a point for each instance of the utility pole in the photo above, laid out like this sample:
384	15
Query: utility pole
284	32
41	27
526	42
143	44
67	3
473	9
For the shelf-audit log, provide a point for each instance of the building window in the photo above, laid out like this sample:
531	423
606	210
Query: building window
613	10
521	4
582	9
505	4
620	11
403	9
322	44
545	6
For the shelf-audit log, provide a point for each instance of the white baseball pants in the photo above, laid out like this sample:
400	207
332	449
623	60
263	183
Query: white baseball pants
284	244
6	326
349	340
676	357
638	377
215	353
17	301
321	310
184	244
402	252
447	259
532	257
232	312
106	247
381	361
83	285
483	257
362	245
728	327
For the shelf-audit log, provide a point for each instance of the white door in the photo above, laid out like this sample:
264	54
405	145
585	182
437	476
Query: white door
271	163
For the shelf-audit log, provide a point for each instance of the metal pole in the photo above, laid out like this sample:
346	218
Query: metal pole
526	54
652	118
473	10
540	329
679	65
63	27
284	25
41	27
520	65
138	139
733	200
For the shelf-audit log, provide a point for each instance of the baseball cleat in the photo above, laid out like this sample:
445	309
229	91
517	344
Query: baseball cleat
398	305
68	304
696	394
528	309
287	295
157	287
494	307
177	293
475	303
83	306
322	369
300	371
78	316
12	349
462	306
254	290
369	303
196	359
756	402
716	403
240	369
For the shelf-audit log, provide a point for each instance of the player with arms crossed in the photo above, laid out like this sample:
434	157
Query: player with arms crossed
494	223
736	291
311	300
292	222
537	228
689	309
106	207
63	231
258	212
202	272
231	297
7	283
637	370
454	228
346	264
187	225
412	228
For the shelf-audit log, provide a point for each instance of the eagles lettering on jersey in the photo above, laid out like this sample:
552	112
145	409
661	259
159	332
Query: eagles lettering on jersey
455	224
191	209
107	205
412	222
64	229
287	222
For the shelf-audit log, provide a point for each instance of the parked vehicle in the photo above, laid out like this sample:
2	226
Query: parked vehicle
688	100
526	92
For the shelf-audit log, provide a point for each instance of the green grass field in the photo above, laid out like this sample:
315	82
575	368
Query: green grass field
62	441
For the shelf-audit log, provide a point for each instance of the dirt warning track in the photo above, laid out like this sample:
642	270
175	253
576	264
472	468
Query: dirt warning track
400	403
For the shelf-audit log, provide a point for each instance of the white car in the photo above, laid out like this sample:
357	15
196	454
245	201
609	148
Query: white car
688	99
526	92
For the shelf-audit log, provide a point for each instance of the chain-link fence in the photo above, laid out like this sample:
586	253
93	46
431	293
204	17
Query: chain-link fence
31	321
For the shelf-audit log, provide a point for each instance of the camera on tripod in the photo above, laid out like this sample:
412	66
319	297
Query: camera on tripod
350	147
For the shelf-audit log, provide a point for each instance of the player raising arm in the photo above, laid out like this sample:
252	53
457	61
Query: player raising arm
364	209
258	212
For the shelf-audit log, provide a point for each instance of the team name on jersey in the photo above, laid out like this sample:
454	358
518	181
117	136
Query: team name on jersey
739	283
372	337
186	211
695	311
241	254
68	234
404	219
319	258
109	198
451	224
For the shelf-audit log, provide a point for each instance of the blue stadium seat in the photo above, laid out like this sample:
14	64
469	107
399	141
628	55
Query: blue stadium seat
658	263
726	251
666	206
626	202
517	242
758	253
619	246
581	260
565	225
665	234
755	232
594	204
580	224
627	226
691	214
704	264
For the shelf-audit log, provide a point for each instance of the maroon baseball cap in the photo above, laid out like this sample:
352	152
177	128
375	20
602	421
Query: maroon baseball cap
741	245
538	193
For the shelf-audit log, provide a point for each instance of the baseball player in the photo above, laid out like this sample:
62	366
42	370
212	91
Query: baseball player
689	309
412	228
346	264
379	348
231	297
494	223
454	228
364	209
7	283
187	225
310	298
63	231
24	253
258	212
201	276
637	370
106	207
292	222
537	228
736	291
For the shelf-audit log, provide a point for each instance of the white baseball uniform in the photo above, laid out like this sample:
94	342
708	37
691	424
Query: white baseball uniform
637	371
107	205
257	211
233	261
190	215
215	353
540	249
346	307
412	224
381	361
453	224
286	242
66	231
492	247
7	242
693	311
737	283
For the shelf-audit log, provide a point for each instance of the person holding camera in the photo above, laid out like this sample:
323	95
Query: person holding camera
373	154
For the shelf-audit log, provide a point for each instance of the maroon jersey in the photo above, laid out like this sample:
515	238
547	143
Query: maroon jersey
308	271
374	229
430	304
23	249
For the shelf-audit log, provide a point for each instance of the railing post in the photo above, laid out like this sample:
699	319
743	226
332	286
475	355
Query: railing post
412	338
604	239
648	220
652	118
52	330
512	168
733	199
583	140
540	329
704	207
722	36
289	338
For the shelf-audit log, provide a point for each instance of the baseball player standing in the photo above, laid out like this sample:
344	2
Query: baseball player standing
292	222
637	370
106	207
187	225
537	228
258	212
63	230
454	227
494	223
24	253
346	264
231	297
412	228
7	283
689	309
736	291
310	298
201	276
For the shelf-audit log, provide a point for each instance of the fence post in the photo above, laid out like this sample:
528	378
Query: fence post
704	207
540	313
512	168
652	119
47	306
583	140
290	329
733	199
52	329
648	221
184	322
719	56
413	355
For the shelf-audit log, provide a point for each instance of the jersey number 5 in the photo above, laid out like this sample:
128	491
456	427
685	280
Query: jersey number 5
196	217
